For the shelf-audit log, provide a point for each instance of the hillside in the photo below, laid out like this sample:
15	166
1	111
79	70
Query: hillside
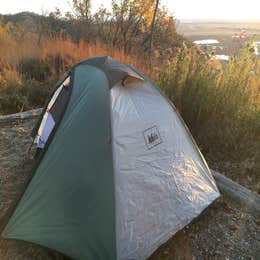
36	23
26	19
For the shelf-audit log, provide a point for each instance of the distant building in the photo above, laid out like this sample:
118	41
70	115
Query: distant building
256	46
209	45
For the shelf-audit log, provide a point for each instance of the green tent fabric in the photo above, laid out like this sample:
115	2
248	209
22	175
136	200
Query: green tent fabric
70	200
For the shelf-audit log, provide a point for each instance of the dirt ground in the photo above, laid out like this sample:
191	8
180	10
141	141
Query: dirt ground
223	231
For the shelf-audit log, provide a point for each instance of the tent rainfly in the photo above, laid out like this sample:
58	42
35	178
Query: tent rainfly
118	172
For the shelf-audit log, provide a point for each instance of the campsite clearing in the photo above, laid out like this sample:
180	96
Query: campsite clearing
223	231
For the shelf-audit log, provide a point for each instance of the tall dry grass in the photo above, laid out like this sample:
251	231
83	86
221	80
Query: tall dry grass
14	48
219	102
29	68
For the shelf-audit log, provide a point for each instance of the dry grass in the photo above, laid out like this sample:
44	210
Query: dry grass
30	65
220	104
14	48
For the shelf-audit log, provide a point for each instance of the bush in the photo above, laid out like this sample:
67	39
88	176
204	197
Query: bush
11	99
36	92
20	96
34	68
221	105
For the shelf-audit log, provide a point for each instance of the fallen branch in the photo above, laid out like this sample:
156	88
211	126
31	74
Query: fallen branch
246	198
22	115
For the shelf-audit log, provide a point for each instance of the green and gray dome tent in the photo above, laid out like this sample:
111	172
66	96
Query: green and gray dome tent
119	172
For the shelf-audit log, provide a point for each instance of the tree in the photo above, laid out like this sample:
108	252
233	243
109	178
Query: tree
82	22
101	21
152	28
81	9
42	27
130	20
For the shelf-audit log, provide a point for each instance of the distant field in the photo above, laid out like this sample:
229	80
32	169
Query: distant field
220	30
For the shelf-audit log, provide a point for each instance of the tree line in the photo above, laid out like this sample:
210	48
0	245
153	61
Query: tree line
143	26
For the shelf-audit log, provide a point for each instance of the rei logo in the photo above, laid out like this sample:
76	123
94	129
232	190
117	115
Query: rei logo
152	137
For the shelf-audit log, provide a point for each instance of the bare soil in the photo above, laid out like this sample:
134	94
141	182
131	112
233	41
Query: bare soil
223	231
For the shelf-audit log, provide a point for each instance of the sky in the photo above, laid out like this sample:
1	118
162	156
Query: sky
182	9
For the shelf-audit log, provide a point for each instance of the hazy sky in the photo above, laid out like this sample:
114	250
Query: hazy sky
182	9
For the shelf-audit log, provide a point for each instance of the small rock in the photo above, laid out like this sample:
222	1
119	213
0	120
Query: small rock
218	252
166	252
227	245
233	227
20	130
257	221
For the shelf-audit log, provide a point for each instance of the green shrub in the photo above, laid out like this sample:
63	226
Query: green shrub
23	96
221	105
34	68
36	92
11	99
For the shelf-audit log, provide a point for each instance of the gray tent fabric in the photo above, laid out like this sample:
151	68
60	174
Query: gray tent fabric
114	69
121	173
161	181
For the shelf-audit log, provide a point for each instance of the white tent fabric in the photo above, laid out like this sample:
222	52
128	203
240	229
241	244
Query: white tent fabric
161	182
48	123
45	130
